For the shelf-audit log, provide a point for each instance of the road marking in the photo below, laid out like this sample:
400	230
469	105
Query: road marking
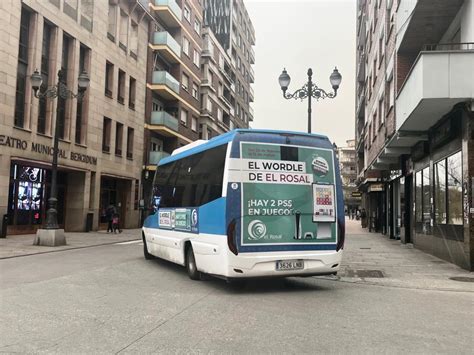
130	242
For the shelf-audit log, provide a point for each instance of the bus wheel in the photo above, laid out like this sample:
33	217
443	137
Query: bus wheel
191	267
146	254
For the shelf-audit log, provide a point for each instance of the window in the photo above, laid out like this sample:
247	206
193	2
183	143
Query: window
106	128
123	39
454	187
45	60
112	22
130	134
187	13
440	191
131	93
109	78
381	112
194	124
195	91
62	119
118	138
374	125
184	117
121	87
197	26
391	93
210	77
185	82
209	104
185	46
134	39
220	115
192	181
81	115
22	69
196	58
423	199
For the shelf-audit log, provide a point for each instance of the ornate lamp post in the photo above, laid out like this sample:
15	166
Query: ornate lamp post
52	235
310	90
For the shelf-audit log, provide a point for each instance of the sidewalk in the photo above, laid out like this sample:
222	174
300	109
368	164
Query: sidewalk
367	256
22	245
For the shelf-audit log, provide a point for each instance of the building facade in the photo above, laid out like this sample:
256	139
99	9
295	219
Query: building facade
347	166
101	138
415	145
231	25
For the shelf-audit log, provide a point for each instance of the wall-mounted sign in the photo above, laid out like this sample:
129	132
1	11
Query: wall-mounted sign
356	194
21	144
376	187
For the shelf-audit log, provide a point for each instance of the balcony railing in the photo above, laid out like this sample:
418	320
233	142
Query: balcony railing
155	157
252	95
163	118
164	38
172	5
162	77
464	46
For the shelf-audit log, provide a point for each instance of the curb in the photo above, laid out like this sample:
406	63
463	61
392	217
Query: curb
66	249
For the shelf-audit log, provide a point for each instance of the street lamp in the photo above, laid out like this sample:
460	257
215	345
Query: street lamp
310	90
51	235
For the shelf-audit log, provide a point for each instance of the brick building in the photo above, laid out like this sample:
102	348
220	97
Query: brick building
101	138
414	122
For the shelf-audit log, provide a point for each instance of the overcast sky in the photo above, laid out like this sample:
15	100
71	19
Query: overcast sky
297	35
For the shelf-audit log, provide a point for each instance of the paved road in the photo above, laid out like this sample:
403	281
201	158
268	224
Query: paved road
108	299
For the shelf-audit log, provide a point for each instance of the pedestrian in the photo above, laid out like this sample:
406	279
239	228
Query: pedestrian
116	223
357	214
109	214
363	217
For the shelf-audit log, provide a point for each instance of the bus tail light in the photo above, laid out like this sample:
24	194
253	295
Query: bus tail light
341	233
231	237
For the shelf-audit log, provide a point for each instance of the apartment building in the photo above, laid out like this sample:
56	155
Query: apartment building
231	25
415	161
217	89
347	167
100	137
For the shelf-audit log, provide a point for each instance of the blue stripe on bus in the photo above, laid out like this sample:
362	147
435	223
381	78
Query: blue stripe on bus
212	217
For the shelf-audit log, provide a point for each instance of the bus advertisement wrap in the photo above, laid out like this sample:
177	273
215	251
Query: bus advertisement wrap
276	182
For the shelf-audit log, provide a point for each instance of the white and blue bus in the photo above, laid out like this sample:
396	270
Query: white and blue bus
249	203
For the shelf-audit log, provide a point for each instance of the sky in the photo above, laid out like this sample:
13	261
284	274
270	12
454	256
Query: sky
297	35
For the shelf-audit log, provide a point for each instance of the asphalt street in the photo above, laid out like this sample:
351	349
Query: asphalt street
109	299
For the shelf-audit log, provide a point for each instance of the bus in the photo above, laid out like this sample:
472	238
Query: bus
249	203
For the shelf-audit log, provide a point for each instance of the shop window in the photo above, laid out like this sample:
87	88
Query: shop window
423	200
454	187
448	190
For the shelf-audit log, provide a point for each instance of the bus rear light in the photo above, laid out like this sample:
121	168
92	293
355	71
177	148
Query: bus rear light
341	235
231	237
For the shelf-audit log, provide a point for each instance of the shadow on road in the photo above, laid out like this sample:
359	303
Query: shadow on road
249	286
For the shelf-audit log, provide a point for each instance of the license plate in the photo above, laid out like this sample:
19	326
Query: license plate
282	265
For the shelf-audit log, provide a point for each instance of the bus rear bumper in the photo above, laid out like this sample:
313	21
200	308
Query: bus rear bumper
320	263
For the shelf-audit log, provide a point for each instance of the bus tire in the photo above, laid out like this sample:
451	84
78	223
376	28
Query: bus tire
146	254
191	267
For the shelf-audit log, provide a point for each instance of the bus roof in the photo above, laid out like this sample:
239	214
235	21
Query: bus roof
225	138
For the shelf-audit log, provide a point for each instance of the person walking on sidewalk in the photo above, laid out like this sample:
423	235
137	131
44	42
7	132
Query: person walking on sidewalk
116	223
109	213
363	218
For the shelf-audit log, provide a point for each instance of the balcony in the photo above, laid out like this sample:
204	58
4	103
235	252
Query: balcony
165	85
165	120
251	94
252	55
167	46
436	82
155	157
251	75
361	68
168	11
250	114
423	21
